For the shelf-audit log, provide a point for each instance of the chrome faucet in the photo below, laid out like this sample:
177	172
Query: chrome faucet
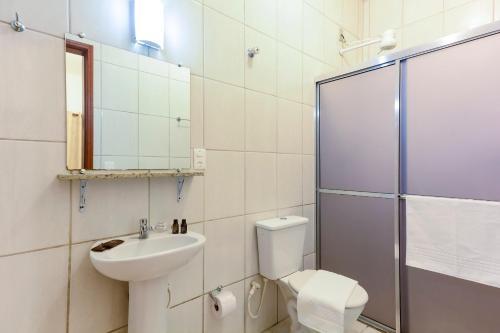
144	228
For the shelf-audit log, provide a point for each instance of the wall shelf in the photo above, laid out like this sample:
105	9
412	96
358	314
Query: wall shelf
119	174
85	175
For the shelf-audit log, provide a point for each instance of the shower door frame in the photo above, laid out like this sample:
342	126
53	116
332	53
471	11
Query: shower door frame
399	60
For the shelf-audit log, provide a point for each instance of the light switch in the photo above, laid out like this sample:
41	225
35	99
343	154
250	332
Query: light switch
200	158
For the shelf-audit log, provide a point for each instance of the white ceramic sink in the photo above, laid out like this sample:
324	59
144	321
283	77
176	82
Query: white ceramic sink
145	259
146	263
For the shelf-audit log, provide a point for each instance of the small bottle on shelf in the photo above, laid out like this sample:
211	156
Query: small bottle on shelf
175	227
184	226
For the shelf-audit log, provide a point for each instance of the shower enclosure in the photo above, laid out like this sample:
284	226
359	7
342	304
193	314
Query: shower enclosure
425	121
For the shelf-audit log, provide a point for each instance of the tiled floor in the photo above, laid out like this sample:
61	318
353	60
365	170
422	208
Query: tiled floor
283	327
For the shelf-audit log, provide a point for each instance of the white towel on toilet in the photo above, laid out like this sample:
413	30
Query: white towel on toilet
322	301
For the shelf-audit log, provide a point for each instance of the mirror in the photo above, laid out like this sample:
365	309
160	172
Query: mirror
125	110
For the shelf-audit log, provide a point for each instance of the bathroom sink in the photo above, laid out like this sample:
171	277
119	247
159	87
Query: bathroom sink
145	259
146	264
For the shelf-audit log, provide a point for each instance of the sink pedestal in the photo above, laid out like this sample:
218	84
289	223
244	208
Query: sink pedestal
147	311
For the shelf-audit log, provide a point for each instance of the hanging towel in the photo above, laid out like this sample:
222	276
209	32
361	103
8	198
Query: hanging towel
321	302
456	237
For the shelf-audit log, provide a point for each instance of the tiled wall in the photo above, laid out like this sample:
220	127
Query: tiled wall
141	111
255	118
422	21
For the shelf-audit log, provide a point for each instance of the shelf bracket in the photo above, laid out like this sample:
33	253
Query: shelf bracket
180	185
83	195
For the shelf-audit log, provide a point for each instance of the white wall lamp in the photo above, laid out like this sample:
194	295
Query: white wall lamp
387	41
149	23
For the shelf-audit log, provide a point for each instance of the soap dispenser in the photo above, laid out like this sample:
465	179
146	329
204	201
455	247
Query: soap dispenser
175	227
184	226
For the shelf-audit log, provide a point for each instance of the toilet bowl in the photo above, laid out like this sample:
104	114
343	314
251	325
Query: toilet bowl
290	287
280	245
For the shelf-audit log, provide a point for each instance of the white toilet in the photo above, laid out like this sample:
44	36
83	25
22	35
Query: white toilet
281	246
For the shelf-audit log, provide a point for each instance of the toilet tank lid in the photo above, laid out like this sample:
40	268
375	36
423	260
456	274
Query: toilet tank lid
281	222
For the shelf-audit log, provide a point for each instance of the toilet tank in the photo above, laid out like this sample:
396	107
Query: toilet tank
281	245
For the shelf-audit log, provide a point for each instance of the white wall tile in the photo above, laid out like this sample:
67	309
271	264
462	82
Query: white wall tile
314	42
92	295
153	95
180	163
351	10
184	34
454	3
179	73
269	312
289	73
497	9
186	318
384	14
260	182
317	4
34	205
119	57
289	127
310	241
333	10
309	179
97	132
289	180
119	133
224	48
290	22
187	281
468	16
113	208
232	8
180	145
235	322
97	83
260	71
119	88
154	139
423	31
312	68
251	253
260	121
179	99
310	261
36	117
154	162
224	116
154	66
34	291
261	15
196	112
163	203
418	9
224	249
48	16
116	162
224	184
308	130
332	44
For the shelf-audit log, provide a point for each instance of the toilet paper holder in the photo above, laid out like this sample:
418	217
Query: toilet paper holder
212	295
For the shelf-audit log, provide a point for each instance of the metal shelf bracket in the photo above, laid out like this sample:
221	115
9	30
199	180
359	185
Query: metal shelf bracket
180	185
83	195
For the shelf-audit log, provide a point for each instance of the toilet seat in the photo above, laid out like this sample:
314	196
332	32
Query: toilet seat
296	281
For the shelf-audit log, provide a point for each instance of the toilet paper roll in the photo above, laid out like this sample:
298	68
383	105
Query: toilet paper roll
223	304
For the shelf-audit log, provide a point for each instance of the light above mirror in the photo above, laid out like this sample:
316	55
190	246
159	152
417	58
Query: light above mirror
149	23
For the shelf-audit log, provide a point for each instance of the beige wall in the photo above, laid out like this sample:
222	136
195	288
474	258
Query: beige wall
254	117
422	21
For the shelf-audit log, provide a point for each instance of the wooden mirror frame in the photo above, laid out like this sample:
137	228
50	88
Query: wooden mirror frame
87	52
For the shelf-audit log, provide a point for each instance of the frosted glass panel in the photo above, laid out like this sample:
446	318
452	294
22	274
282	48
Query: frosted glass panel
357	240
453	122
357	132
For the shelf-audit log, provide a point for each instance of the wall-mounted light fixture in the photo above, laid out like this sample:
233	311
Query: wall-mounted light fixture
149	23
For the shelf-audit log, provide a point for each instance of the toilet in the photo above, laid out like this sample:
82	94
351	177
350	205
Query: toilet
280	246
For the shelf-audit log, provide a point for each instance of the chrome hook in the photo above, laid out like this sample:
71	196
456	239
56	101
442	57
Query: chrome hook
252	52
17	25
